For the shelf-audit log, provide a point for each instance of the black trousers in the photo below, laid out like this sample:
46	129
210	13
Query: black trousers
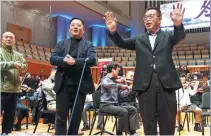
22	112
64	101
158	104
8	105
35	110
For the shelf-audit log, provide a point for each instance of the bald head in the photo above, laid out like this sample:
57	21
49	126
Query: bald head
8	39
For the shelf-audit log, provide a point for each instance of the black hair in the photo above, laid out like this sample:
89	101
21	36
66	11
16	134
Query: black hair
120	70
155	8
112	66
76	18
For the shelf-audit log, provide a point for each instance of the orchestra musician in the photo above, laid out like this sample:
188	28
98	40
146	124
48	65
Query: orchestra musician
183	100
127	115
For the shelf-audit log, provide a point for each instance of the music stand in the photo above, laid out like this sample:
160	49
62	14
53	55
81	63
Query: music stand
32	82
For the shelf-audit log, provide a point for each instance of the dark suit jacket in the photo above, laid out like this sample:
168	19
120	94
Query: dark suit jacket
85	50
161	56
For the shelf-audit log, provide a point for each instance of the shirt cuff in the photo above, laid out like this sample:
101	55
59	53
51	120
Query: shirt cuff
178	27
112	33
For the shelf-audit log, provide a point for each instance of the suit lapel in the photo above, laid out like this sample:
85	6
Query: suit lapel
81	47
159	35
67	44
146	39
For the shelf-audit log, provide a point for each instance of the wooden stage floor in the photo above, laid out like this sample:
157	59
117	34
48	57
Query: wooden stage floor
42	130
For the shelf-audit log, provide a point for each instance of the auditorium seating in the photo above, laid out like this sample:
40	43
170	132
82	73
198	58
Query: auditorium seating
197	59
33	51
186	54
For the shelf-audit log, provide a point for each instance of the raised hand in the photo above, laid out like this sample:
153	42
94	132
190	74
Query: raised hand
177	14
110	21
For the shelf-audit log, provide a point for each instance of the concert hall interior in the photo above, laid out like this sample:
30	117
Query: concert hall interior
39	26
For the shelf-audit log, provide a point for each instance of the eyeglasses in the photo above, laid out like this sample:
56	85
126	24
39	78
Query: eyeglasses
150	16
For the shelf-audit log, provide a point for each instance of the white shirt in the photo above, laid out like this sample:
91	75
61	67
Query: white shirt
184	97
152	38
208	82
88	98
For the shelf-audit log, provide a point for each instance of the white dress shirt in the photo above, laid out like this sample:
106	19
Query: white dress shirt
152	38
88	98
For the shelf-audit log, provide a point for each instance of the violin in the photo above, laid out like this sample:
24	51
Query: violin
129	81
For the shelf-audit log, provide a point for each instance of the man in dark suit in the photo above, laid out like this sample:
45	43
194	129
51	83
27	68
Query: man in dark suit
155	77
70	55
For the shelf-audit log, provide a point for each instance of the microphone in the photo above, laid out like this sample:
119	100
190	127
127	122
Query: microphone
76	97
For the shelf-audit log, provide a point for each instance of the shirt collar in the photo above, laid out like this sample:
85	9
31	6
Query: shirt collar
149	33
8	48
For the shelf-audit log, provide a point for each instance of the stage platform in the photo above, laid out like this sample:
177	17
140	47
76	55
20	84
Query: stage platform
42	130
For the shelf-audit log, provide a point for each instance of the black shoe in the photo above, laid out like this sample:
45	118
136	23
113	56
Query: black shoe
17	127
85	128
180	128
99	128
197	128
119	133
132	133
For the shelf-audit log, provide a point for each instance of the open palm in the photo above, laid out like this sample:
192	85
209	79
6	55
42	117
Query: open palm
110	21
177	14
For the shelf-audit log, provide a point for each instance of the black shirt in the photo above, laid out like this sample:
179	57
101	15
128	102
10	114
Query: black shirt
71	73
74	47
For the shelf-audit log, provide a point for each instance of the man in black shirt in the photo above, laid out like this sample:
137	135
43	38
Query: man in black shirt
69	56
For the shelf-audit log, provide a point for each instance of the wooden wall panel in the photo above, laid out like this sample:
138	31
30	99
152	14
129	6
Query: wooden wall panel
43	68
39	67
21	33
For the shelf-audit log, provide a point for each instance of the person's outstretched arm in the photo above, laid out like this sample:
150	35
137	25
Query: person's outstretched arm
111	24
179	32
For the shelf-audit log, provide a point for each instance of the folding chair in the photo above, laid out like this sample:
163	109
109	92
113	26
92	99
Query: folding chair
43	110
96	102
205	106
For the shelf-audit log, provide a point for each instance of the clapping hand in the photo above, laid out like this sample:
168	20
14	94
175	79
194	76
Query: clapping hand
69	60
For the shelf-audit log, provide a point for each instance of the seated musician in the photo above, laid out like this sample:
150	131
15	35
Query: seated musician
32	95
185	103
127	115
47	88
22	110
